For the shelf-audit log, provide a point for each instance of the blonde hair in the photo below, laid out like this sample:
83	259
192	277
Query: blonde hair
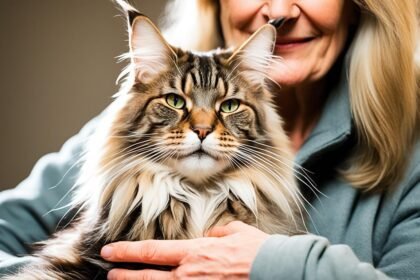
383	87
383	80
192	24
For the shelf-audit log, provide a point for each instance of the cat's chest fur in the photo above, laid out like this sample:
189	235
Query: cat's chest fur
165	205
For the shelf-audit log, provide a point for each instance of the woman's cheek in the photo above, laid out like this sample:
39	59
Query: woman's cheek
239	19
326	13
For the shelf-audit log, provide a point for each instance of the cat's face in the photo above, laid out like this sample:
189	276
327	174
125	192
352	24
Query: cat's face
197	113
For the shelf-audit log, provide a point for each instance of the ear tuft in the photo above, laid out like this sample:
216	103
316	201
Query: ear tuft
128	10
256	54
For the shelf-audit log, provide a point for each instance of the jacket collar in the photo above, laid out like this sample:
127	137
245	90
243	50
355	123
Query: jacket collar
334	127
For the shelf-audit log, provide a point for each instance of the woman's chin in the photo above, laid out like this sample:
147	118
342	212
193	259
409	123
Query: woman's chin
290	74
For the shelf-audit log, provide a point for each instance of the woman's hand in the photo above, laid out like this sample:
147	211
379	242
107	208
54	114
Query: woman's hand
227	253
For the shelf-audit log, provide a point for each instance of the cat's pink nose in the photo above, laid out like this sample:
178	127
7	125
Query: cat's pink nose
202	131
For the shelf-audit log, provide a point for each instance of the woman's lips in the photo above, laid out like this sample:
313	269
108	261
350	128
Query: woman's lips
291	43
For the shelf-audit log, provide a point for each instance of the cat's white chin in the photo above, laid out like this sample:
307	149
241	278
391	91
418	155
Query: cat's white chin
199	167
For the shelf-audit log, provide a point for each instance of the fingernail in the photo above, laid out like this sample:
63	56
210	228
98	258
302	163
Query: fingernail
107	251
110	275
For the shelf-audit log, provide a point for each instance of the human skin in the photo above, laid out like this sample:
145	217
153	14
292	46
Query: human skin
309	43
219	255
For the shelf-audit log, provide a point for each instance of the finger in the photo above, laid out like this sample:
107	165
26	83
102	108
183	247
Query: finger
146	274
229	229
161	252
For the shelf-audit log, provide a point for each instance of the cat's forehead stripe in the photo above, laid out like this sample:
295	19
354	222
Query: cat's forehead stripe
172	83
214	74
203	70
206	71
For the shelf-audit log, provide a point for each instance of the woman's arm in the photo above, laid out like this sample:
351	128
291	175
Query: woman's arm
313	257
33	210
309	257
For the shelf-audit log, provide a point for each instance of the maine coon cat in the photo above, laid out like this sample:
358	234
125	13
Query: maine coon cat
191	141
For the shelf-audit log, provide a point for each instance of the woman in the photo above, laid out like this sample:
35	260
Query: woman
356	136
349	102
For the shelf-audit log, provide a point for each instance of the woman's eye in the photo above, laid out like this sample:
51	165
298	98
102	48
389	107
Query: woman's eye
175	101
229	106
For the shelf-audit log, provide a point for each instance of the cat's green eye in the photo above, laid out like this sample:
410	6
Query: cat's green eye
176	101
229	106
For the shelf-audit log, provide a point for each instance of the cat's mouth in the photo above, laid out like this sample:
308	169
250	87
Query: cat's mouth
200	153
199	164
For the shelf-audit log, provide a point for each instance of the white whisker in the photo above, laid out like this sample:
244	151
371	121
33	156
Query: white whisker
294	194
304	178
274	167
307	181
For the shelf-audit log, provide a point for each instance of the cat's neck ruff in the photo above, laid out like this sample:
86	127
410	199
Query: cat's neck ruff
157	184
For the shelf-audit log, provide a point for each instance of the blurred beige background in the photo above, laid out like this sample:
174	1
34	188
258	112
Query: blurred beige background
57	71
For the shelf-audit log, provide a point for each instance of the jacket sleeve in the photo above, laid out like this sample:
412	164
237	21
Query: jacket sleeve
309	257
313	257
35	208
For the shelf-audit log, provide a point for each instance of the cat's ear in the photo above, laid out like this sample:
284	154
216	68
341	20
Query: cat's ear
150	53
256	54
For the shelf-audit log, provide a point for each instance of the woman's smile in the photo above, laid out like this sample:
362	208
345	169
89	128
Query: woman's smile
287	44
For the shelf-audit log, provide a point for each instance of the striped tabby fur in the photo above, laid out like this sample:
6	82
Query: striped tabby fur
147	174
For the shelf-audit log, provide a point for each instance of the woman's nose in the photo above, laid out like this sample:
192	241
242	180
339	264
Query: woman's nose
282	9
